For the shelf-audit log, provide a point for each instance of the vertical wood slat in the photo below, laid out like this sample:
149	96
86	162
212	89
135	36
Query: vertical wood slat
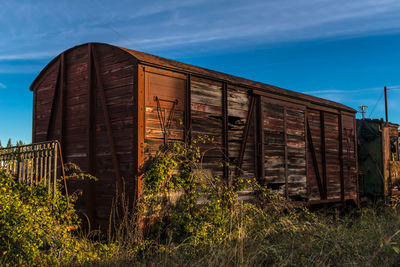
54	148
24	167
34	116
188	109
107	120
61	116
45	166
19	165
225	139
14	167
315	162
135	131
91	152
49	155
141	129
41	165
341	157
323	153
356	161
260	138
249	117
37	164
54	102
286	152
19	171
255	148
30	167
306	154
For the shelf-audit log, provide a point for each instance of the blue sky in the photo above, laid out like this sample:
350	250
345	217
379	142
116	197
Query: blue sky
345	51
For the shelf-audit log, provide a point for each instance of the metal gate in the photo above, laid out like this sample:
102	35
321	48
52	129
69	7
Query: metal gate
34	164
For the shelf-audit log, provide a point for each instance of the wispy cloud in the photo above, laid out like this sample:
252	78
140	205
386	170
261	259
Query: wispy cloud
2	85
174	24
271	22
343	91
27	56
350	91
371	97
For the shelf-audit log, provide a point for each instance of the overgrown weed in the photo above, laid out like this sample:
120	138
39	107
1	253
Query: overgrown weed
188	217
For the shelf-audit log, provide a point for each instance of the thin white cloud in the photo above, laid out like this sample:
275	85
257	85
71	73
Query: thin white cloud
27	56
160	7
272	23
342	91
370	97
2	85
21	69
350	91
174	24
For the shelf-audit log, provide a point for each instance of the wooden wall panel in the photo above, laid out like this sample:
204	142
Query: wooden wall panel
314	121
332	155
274	145
44	100
284	148
327	149
117	78
75	106
296	146
349	155
164	97
206	111
238	105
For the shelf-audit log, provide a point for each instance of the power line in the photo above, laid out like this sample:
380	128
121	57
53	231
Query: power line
103	23
372	110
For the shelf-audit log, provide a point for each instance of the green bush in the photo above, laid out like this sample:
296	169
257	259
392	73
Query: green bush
34	226
222	230
187	217
201	208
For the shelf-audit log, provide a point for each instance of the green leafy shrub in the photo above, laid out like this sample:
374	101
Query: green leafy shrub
35	226
186	203
193	218
196	219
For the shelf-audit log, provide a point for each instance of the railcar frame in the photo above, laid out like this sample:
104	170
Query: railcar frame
104	104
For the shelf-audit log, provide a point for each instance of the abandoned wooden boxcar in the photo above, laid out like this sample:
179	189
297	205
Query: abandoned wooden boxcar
112	107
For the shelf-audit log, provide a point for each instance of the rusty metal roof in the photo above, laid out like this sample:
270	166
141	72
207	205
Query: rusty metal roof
157	61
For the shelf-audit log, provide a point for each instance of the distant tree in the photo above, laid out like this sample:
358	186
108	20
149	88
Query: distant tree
1	145
20	143
9	144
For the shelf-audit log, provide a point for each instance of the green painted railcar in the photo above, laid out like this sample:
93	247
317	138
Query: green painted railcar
378	158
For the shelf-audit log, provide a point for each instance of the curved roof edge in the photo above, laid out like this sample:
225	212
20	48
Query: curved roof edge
43	71
191	69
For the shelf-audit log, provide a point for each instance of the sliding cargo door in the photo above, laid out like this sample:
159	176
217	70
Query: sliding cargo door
323	151
207	121
331	156
284	145
164	108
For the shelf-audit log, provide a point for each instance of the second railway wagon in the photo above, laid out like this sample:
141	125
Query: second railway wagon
112	107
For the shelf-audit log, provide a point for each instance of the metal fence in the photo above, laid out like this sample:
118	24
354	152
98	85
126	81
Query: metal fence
34	164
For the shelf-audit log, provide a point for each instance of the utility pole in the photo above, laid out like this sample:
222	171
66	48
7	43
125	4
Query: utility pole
386	105
363	111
